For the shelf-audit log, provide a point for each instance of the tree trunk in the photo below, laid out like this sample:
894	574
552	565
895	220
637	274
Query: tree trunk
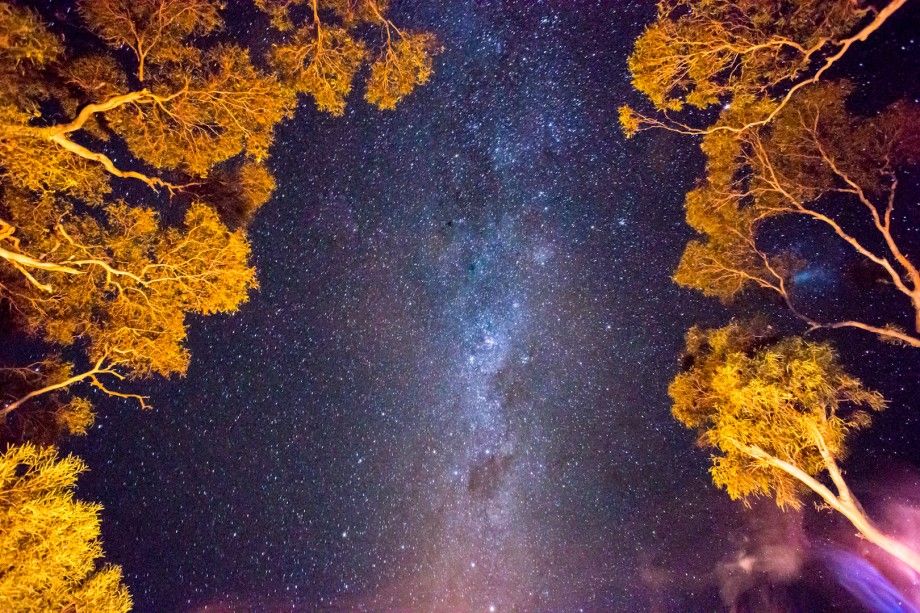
875	536
849	508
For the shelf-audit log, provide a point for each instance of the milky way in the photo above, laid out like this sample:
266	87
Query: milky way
450	390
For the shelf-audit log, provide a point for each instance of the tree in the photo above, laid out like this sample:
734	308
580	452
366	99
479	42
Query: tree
122	287
182	107
322	60
782	145
49	541
49	415
106	284
777	414
816	161
155	30
705	53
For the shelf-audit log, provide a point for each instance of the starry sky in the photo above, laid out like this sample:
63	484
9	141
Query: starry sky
450	391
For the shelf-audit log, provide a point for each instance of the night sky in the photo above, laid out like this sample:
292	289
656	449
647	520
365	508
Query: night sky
450	391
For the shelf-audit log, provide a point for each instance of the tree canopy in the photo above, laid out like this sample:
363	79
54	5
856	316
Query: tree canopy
814	161
321	56
787	398
699	54
777	415
118	289
132	159
780	144
161	105
49	541
782	150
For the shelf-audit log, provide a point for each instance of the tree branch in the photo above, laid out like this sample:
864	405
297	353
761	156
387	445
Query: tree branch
99	368
861	36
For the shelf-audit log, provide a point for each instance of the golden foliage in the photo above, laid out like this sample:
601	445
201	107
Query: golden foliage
107	283
197	108
704	52
399	68
97	76
23	38
777	148
49	418
630	122
728	261
155	30
279	12
352	12
33	163
49	541
745	392
220	108
237	193
815	152
26	47
135	281
256	185
348	12
118	290
212	111
776	413
322	62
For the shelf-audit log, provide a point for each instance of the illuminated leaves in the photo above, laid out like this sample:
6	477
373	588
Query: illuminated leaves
745	390
222	106
214	111
630	121
352	12
279	11
23	38
135	282
322	62
236	193
203	265
728	260
776	413
255	184
196	109
49	541
815	161
36	164
106	282
707	52
783	143
399	68
97	76
26	48
155	30
54	415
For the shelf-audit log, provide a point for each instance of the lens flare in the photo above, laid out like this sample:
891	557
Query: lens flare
864	582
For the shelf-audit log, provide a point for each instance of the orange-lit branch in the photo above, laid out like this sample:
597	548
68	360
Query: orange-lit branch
24	263
842	502
103	366
59	134
906	282
644	122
